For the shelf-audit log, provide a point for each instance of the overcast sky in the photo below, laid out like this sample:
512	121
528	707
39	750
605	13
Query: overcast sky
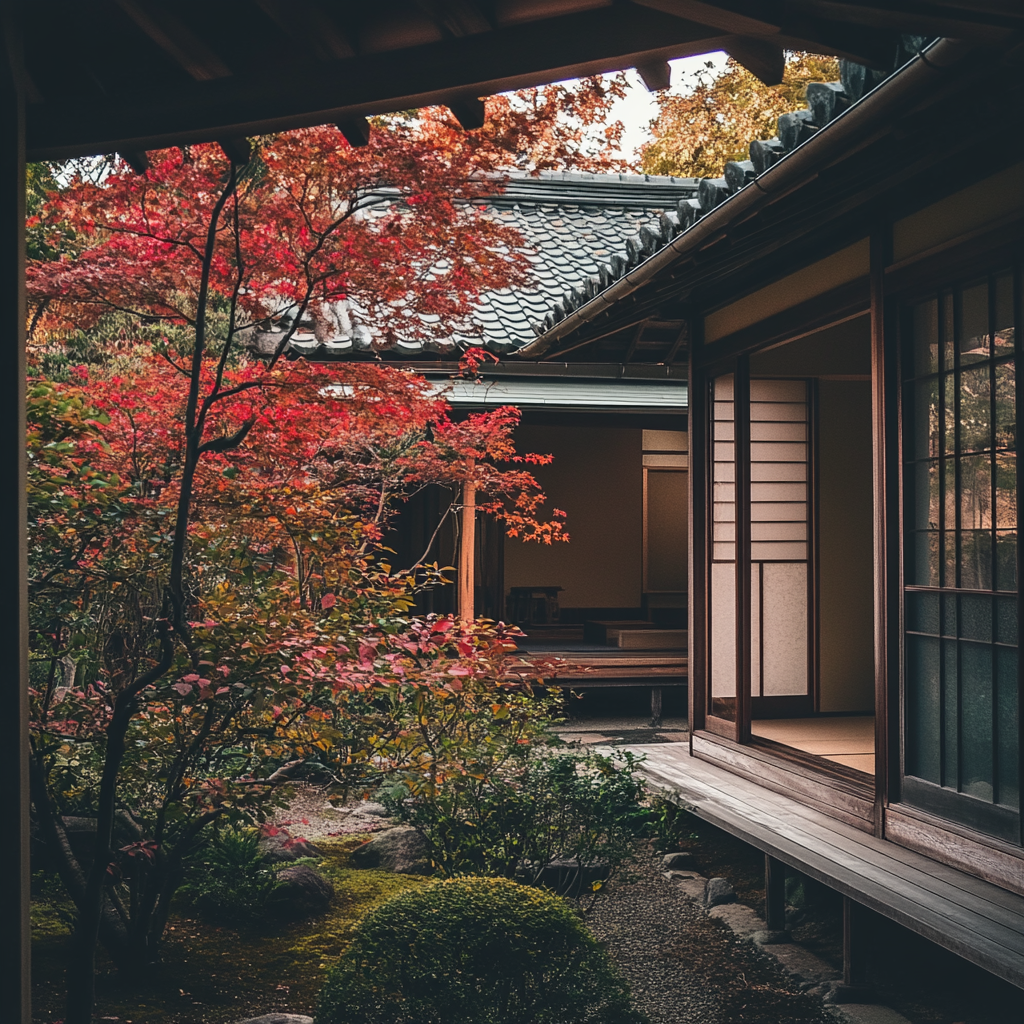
639	106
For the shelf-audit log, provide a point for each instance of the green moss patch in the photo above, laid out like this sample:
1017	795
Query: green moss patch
212	975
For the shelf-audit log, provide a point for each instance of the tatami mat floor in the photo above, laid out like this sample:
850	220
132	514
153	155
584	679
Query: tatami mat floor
848	740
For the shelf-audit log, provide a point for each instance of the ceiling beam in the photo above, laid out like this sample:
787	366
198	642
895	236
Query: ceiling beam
985	21
739	18
175	39
356	131
457	18
681	337
655	76
469	112
310	26
309	93
764	59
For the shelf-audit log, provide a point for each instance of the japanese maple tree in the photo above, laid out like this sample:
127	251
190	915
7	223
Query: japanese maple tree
205	578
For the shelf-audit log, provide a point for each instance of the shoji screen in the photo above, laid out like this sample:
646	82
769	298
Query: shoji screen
779	538
722	703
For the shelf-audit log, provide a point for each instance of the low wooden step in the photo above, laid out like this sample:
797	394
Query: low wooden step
651	639
599	631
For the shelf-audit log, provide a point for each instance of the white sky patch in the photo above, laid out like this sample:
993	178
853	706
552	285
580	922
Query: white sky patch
639	107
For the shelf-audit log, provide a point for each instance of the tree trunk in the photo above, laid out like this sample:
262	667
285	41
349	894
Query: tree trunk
467	554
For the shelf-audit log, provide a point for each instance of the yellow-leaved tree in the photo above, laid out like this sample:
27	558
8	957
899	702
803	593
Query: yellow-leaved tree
714	117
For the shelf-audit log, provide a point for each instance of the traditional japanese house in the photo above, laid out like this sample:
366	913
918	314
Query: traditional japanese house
853	297
614	598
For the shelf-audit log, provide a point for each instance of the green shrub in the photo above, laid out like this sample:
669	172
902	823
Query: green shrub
474	951
230	879
527	811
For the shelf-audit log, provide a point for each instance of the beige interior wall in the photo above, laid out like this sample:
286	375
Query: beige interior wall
597	480
845	546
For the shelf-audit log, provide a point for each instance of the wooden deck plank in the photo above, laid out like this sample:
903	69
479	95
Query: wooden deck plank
913	866
977	920
1005	907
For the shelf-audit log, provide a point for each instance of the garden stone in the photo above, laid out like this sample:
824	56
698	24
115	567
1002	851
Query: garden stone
743	921
277	1018
682	860
371	809
693	887
400	849
301	892
567	877
281	848
719	891
767	937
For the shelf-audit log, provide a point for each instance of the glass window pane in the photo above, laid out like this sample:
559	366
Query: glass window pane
1006	405
1006	492
976	559
950	715
923	719
1006	620
923	613
975	410
976	617
925	570
1007	741
949	436
975	493
949	626
926	495
1006	560
946	329
948	559
926	337
926	418
976	720
1003	338
974	324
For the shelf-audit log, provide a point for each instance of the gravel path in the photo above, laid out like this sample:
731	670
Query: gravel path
686	968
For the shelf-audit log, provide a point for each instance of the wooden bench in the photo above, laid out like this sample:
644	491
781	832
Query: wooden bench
977	920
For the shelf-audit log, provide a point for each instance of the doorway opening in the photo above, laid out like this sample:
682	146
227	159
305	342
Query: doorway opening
811	545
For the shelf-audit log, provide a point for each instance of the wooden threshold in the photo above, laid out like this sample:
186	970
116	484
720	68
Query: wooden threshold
979	921
833	789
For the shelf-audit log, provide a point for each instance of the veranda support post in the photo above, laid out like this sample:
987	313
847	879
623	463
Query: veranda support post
14	853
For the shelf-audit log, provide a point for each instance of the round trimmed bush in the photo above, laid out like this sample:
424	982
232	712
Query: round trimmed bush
474	951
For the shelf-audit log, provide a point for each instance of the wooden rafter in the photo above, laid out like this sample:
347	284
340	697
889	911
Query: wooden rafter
310	26
176	39
763	58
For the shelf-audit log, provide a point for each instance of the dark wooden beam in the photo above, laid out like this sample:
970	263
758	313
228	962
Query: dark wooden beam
681	337
356	130
14	749
469	112
310	26
236	150
592	42
735	17
655	76
175	39
774	894
137	161
764	59
987	21
456	18
634	341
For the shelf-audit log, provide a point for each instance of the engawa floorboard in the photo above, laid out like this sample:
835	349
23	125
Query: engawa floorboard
977	920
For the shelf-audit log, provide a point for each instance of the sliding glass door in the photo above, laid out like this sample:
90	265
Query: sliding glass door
962	724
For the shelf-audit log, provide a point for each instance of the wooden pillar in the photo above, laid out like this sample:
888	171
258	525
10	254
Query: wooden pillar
467	553
854	944
774	894
655	705
14	852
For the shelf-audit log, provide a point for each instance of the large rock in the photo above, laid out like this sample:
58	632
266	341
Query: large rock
681	860
280	848
719	891
568	877
301	892
400	849
277	1018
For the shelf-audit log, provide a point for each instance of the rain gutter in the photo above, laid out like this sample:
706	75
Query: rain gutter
800	165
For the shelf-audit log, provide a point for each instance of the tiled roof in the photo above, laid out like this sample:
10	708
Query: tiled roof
573	225
825	101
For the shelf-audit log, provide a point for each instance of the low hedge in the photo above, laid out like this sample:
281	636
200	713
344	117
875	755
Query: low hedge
474	951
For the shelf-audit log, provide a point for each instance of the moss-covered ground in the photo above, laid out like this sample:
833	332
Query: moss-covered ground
212	975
